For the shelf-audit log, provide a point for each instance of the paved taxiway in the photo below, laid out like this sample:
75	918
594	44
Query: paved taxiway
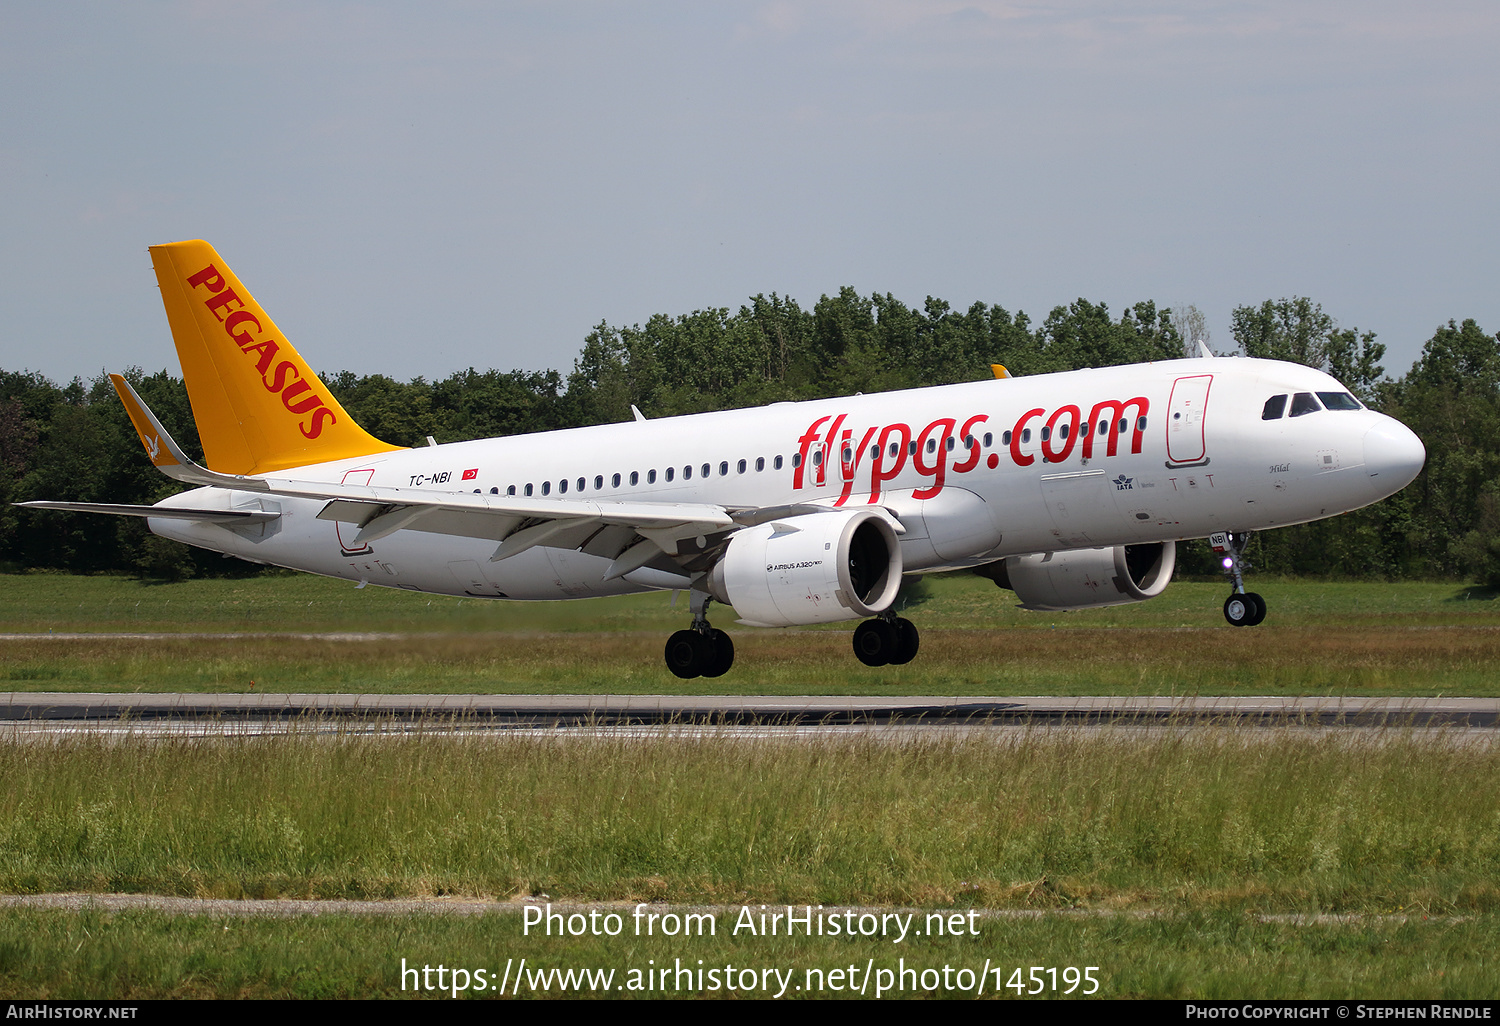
71	710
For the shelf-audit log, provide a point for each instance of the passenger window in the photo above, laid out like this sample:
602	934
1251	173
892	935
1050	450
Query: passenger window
496	490
740	467
1046	434
932	445
724	469
528	487
669	473
1275	407
706	469
874	452
614	482
687	472
1303	403
1005	438
817	457
1025	435
951	442
580	484
1123	422
546	487
1339	401
651	477
911	448
989	439
1103	428
1140	423
760	464
599	481
1062	430
562	487
635	478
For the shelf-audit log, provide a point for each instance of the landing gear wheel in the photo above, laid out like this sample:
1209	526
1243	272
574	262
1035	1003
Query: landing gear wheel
907	642
1244	610
723	654
875	642
688	653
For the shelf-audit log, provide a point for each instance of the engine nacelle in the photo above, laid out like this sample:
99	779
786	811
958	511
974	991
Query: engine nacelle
1088	578
816	568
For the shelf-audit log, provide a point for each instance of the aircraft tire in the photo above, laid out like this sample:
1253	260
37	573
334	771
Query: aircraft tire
1239	609
908	640
723	654
688	652
1260	608
875	641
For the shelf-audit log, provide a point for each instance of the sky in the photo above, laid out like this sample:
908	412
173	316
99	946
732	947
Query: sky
414	189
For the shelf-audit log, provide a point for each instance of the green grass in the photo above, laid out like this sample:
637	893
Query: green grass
1219	954
301	602
1373	821
1321	638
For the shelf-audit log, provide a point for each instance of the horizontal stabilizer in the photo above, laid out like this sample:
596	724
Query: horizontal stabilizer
219	516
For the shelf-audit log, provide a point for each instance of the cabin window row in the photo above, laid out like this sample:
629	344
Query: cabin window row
650	477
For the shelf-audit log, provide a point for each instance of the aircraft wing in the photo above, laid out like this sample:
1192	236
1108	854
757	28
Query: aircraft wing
631	533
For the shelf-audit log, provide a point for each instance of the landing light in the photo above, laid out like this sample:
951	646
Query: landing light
1228	562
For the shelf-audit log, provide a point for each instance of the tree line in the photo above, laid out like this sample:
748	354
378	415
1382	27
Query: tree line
74	441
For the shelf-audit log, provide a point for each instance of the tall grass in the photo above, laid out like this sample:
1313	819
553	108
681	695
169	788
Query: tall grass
1371	820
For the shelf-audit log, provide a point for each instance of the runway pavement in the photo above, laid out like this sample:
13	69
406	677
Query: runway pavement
36	708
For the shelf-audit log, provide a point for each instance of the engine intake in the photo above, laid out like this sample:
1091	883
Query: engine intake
816	568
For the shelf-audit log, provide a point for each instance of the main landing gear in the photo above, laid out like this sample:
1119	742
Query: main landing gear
887	639
1242	608
702	650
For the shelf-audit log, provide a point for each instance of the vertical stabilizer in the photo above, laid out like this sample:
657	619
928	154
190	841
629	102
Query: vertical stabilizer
258	406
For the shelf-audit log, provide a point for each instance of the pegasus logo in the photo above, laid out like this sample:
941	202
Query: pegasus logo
153	448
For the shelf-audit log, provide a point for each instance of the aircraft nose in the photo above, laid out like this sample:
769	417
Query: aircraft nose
1393	456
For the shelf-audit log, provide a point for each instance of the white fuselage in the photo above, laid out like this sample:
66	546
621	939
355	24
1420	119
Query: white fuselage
1112	456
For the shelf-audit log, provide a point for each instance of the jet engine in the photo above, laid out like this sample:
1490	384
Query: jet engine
1086	578
816	568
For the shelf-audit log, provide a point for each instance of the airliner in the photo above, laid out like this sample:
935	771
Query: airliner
1072	490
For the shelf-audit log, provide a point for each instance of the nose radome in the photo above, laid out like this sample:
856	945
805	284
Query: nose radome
1393	456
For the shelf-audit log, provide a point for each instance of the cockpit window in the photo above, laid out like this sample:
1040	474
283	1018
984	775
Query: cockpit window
1303	403
1339	401
1275	407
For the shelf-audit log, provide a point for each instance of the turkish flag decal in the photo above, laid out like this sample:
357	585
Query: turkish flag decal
470	475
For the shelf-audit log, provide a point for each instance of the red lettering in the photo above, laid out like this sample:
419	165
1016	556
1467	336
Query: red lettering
879	473
850	464
808	438
1021	459
315	429
234	321
938	470
1048	453
267	350
221	301
283	369
209	277
1116	410
295	389
820	466
963	435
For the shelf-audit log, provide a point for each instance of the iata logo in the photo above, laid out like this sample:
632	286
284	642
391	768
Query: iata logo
882	453
284	378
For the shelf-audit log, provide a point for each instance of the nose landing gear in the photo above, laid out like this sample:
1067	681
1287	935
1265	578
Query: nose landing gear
1242	608
702	650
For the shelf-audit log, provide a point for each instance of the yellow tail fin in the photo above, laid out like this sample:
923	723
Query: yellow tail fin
258	406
